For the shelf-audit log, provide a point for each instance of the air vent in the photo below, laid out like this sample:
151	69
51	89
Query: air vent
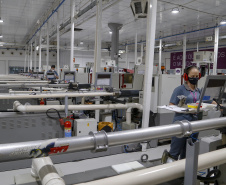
139	8
78	29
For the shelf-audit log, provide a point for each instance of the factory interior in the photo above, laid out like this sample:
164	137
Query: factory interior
112	92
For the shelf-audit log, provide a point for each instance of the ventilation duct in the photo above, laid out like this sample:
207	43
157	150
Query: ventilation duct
139	8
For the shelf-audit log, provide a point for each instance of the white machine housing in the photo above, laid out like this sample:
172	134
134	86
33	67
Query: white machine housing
84	126
203	57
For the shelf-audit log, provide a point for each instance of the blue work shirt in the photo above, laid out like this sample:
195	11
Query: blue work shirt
54	73
191	97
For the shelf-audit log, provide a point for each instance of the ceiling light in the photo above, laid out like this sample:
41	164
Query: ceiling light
110	32
1	21
175	10
223	22
1	45
81	43
150	5
1	36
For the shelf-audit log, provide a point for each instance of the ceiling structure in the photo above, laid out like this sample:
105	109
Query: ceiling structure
21	18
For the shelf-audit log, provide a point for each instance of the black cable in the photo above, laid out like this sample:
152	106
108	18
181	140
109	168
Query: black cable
209	178
51	116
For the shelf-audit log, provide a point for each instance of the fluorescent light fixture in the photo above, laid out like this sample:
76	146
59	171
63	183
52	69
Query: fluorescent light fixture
81	43
1	36
110	32
223	22
1	21
175	10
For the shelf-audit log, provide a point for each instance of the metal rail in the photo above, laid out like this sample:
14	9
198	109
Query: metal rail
101	140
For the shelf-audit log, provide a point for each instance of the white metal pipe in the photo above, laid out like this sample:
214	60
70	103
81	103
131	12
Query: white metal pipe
56	95
216	42
31	56
47	45
127	63
40	51
19	81
58	42
184	52
128	115
151	29
135	49
45	90
10	152
45	170
43	108
162	173
72	34
35	56
160	56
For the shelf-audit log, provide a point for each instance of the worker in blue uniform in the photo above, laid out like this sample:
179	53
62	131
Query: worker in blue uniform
190	91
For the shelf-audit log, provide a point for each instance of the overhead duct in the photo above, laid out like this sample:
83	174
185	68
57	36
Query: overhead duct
115	27
139	8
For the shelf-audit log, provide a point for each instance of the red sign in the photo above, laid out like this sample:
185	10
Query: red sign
58	149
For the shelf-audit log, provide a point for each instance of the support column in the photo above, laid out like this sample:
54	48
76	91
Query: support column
35	56
28	58
150	45
25	59
47	46
115	41
142	51
127	63
31	57
40	51
160	56
216	41
135	49
58	42
184	53
7	67
198	65
97	52
72	34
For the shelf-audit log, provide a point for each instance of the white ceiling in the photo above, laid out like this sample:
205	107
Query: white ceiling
21	16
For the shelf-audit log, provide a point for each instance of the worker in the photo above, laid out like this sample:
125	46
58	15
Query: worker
56	76
190	94
30	73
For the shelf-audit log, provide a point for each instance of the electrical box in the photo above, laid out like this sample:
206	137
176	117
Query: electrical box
82	127
203	56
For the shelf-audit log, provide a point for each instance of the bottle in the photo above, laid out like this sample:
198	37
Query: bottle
42	102
67	129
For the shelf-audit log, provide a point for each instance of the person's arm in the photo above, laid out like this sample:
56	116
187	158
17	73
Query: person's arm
174	100
56	75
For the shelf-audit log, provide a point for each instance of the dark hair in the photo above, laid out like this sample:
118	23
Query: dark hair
189	68
52	66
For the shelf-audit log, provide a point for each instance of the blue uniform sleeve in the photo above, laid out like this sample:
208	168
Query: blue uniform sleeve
174	99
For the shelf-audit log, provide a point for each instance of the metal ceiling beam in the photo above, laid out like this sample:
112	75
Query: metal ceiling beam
45	18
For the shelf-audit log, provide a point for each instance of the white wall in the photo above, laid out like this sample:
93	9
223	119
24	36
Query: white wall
12	57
